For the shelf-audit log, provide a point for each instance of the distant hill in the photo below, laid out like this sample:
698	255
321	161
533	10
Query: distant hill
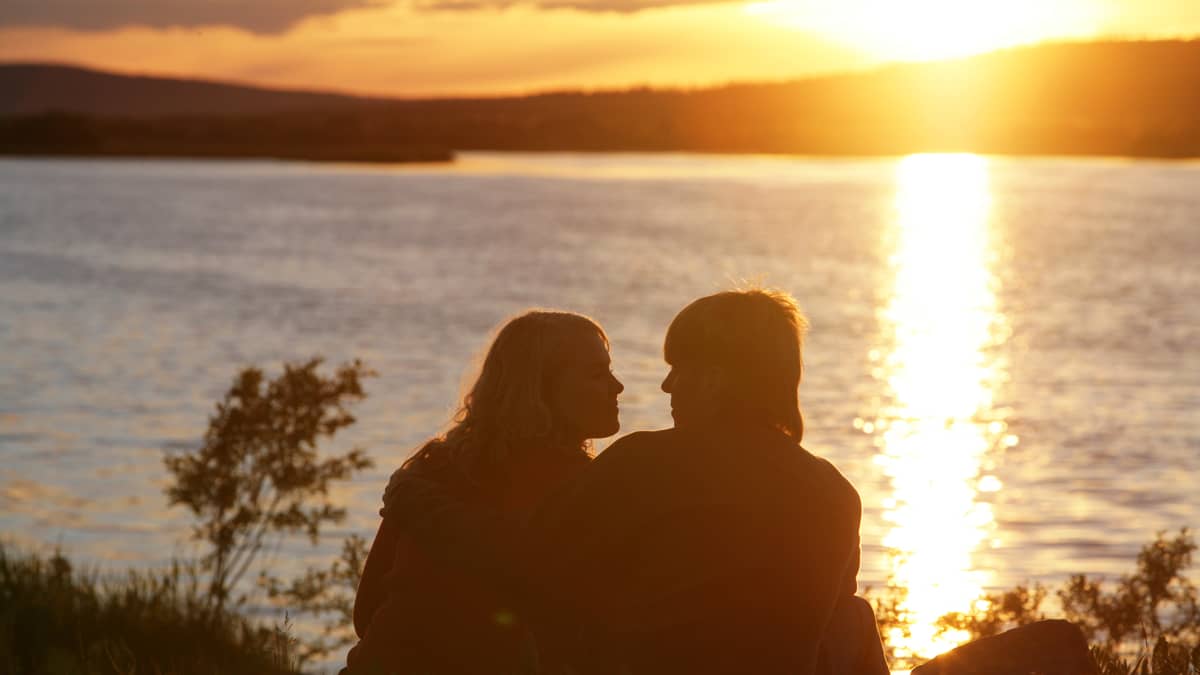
1102	98
37	88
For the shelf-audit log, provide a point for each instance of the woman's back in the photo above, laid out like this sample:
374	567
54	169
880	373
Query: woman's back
545	388
430	619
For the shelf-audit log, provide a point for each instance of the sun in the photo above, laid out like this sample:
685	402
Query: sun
920	30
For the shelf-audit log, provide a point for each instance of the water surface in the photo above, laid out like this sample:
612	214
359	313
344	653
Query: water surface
1002	355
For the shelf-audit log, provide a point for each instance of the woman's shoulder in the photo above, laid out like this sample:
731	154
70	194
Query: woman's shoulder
411	489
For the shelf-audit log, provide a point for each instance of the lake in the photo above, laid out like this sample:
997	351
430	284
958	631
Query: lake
1002	354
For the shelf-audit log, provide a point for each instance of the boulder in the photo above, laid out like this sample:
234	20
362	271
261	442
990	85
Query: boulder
1042	648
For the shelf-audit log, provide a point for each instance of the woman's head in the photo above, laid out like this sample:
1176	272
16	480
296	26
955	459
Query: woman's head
737	352
545	383
546	378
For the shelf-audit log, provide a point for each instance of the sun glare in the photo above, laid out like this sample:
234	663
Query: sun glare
936	436
918	30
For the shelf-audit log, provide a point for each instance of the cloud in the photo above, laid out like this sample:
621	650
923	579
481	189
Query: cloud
256	16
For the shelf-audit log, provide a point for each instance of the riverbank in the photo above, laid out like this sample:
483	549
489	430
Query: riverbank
1144	623
306	154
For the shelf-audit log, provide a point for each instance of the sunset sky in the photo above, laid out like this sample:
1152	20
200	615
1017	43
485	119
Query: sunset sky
438	47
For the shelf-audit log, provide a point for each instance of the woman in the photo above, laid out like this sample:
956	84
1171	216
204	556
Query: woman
524	428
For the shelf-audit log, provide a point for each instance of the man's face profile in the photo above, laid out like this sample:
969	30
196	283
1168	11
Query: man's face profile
693	389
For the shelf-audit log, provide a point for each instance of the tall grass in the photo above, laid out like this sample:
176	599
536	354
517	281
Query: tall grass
1166	658
54	619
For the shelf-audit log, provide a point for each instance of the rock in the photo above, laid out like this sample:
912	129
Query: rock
1042	648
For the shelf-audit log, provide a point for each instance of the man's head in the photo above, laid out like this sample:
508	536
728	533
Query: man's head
736	354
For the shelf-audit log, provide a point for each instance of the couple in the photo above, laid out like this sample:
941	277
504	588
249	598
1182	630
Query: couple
716	546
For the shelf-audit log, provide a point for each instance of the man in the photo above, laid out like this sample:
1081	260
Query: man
716	546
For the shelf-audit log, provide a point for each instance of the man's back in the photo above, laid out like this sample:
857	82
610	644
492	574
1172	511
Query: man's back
702	550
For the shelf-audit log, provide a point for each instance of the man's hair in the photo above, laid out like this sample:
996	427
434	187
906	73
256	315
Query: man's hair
754	338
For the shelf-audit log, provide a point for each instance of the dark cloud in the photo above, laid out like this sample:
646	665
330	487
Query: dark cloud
599	6
258	16
261	16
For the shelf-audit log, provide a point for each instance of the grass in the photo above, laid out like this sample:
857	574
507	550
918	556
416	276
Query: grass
1166	658
54	619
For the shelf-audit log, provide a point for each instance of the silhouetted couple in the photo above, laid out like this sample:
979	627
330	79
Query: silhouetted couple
716	546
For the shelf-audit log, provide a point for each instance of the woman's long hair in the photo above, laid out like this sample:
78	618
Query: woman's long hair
506	411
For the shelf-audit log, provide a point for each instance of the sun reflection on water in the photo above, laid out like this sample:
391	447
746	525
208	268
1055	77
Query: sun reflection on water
939	426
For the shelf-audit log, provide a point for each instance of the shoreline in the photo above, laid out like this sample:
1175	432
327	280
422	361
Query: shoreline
433	155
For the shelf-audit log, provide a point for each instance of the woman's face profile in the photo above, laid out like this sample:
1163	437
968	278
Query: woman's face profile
583	391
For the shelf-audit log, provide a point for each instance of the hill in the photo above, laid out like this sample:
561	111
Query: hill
1119	98
1101	98
38	88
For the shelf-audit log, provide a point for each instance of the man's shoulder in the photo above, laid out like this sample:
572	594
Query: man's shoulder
822	465
634	464
630	443
602	501
837	483
629	461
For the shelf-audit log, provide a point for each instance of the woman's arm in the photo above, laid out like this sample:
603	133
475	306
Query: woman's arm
371	587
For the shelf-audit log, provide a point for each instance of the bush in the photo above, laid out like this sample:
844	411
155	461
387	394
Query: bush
258	476
1157	601
1145	623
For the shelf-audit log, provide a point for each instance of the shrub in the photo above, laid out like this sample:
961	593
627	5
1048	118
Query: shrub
1144	623
259	476
258	473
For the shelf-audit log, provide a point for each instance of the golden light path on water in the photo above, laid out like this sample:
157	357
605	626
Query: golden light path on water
937	430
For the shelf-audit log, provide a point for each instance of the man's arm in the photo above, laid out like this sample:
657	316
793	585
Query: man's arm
850	578
850	506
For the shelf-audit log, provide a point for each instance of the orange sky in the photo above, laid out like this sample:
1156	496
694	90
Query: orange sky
424	47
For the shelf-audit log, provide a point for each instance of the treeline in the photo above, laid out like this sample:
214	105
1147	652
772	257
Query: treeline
315	136
1135	99
1111	98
